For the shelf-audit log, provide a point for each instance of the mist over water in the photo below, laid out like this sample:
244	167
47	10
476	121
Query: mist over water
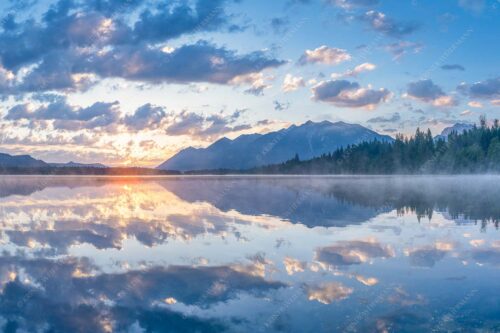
239	254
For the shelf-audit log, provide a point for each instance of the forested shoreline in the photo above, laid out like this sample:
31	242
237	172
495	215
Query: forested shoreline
84	171
474	151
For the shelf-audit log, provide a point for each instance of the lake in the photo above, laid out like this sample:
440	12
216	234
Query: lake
250	254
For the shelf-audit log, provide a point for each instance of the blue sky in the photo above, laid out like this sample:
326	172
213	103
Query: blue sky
132	82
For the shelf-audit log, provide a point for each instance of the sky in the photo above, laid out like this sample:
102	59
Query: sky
132	82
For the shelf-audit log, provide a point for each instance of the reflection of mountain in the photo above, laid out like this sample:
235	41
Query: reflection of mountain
300	200
339	201
27	185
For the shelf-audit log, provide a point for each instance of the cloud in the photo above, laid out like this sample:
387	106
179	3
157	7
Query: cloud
172	21
474	104
367	281
112	7
6	78
204	127
328	292
257	82
293	266
146	117
280	25
392	119
54	139
71	24
364	67
344	93
445	101
401	48
199	62
453	67
324	55
353	3
291	83
194	88
54	73
379	22
347	253
428	256
427	91
68	117
74	44
489	256
474	5
63	299
60	31
278	106
487	89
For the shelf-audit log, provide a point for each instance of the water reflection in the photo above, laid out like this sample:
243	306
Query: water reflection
238	254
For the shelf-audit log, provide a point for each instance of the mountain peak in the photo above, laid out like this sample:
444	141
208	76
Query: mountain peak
314	123
311	139
458	128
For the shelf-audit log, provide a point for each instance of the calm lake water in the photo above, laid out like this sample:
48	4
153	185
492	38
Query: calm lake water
250	254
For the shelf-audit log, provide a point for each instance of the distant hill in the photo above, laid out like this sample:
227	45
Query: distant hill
26	161
308	140
77	165
20	161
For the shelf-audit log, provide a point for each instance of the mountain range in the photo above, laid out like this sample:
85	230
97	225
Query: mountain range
308	140
458	128
23	161
26	161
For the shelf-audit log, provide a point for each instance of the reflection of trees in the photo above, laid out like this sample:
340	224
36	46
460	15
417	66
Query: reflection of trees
316	201
466	198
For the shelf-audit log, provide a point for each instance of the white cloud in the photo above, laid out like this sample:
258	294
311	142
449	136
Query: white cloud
401	48
327	293
324	55
291	83
474	104
428	92
257	81
364	67
445	101
383	24
367	281
349	94
293	266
